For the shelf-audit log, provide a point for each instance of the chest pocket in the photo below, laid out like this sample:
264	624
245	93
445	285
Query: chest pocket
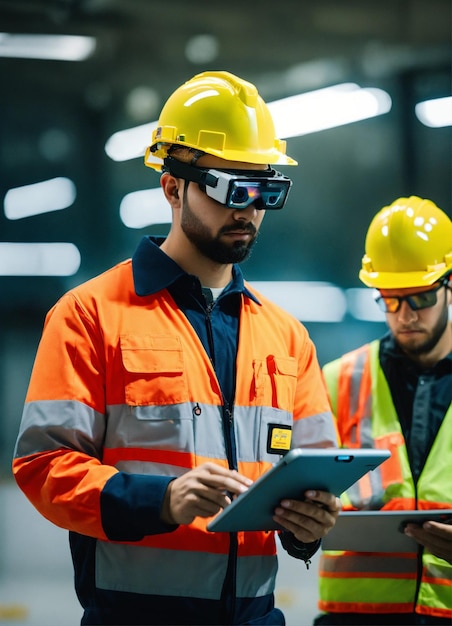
275	381
154	372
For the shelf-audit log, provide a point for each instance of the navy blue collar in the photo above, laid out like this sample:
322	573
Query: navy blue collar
153	270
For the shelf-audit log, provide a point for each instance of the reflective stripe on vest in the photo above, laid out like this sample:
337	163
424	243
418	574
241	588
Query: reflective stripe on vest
386	582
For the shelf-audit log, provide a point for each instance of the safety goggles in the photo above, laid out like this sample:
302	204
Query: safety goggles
265	189
416	301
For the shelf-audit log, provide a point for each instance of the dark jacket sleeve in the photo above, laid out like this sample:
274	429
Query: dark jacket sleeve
298	549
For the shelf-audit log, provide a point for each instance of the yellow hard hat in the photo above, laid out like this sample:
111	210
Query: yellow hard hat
219	114
408	244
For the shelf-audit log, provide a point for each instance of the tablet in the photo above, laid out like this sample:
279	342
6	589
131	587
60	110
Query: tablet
379	531
327	469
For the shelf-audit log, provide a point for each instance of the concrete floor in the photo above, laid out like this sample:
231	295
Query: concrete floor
36	586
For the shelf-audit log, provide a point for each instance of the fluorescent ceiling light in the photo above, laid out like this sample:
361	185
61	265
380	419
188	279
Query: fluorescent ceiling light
48	47
327	108
297	115
202	49
145	208
39	259
362	305
435	113
44	197
307	301
130	143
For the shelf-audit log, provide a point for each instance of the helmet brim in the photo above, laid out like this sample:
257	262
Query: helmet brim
402	280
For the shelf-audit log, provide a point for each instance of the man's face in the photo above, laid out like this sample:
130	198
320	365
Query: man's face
221	234
417	332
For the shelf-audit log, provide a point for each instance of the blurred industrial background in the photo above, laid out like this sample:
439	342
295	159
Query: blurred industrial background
69	176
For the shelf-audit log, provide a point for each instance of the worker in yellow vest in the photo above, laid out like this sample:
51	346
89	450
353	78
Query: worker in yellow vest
396	393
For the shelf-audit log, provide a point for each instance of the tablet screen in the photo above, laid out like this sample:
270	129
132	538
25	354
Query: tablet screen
326	469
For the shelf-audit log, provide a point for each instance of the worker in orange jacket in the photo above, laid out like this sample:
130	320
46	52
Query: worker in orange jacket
161	388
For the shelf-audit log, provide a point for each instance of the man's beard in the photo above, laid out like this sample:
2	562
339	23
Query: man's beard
211	246
435	335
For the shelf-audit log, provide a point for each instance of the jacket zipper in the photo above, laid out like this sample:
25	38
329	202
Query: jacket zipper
228	592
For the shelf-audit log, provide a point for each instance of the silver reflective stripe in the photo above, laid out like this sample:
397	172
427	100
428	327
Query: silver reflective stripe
256	576
251	424
150	468
137	569
365	427
315	431
190	427
362	436
355	387
51	424
355	382
151	427
193	428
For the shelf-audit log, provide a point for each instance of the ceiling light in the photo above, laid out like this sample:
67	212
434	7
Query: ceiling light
49	47
202	49
141	103
50	195
307	301
297	115
361	305
145	208
39	259
327	108
435	113
130	143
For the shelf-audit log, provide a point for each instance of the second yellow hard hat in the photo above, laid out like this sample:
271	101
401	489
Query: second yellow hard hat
408	244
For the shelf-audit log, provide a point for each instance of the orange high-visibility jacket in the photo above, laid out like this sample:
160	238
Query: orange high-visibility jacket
352	582
122	385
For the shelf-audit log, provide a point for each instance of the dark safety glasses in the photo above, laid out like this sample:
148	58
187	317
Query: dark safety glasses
416	301
265	189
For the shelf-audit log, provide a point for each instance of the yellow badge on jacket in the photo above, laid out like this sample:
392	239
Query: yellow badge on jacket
279	438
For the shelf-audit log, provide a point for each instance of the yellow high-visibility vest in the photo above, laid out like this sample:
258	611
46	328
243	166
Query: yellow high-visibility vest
366	417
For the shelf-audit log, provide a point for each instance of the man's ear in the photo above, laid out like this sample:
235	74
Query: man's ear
170	186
